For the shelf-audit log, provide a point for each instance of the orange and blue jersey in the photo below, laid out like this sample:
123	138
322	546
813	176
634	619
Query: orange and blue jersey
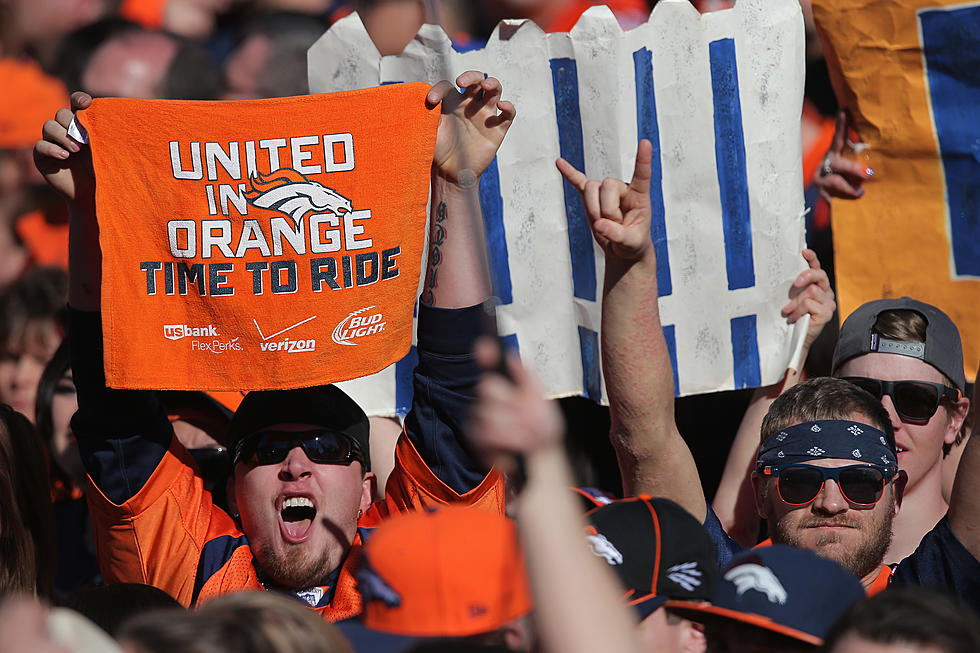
156	524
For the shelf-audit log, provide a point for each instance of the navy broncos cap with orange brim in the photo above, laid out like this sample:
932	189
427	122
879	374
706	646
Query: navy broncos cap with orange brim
781	589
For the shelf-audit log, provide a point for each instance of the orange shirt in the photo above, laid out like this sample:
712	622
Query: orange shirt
172	536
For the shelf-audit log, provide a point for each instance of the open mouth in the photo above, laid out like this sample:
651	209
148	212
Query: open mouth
296	518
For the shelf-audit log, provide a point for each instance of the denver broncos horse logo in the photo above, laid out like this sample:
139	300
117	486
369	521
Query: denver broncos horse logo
602	547
292	194
752	576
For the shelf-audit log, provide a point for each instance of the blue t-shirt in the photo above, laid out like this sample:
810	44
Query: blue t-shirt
940	561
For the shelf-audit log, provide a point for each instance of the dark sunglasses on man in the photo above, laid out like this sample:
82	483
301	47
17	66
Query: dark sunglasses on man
799	484
915	401
320	446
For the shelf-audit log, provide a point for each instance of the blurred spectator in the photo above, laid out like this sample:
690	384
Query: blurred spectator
32	323
906	620
270	59
140	63
29	626
55	404
77	48
27	544
247	622
193	19
36	27
558	15
392	24
110	606
29	214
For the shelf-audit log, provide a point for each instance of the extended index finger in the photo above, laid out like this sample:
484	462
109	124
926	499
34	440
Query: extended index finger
572	174
641	170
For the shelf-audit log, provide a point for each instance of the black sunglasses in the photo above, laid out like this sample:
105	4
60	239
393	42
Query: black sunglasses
799	484
915	401
270	447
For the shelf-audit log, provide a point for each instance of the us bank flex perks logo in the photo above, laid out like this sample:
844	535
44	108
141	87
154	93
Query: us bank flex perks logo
285	344
357	325
292	194
753	576
205	339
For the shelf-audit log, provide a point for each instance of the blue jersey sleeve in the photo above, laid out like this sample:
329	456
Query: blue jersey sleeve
122	434
725	547
941	561
444	387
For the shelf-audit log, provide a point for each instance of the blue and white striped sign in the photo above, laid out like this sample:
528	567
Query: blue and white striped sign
719	95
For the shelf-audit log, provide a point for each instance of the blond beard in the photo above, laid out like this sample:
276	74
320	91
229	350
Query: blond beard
860	560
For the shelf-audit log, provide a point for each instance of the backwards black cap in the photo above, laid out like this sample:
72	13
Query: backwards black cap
322	405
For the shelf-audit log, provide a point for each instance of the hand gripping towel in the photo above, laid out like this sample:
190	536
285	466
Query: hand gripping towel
264	244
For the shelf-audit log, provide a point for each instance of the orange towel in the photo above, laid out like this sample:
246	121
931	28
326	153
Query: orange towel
261	244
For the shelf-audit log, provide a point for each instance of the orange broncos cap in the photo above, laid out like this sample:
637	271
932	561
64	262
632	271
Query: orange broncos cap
451	573
32	97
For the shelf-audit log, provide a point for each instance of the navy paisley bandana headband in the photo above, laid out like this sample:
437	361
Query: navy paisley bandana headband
828	438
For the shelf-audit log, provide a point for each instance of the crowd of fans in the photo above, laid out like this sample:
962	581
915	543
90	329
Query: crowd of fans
288	521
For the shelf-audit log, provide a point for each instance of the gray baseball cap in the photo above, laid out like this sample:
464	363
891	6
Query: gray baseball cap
942	348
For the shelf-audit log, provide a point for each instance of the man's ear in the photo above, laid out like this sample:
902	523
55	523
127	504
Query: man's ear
759	492
957	413
898	485
369	491
694	640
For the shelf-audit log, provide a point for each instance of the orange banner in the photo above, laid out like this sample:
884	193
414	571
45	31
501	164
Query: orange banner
909	72
261	244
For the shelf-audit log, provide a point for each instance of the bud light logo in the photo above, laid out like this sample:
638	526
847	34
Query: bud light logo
358	324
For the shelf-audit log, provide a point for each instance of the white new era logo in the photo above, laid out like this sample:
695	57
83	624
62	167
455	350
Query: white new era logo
687	575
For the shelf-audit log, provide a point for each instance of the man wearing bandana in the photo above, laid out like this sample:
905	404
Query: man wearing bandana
826	478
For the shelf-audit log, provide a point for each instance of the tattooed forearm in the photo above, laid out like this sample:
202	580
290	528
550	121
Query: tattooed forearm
437	239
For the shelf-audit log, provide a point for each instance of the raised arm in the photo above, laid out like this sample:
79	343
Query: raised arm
67	167
653	457
122	434
734	502
964	503
457	282
574	612
838	175
471	129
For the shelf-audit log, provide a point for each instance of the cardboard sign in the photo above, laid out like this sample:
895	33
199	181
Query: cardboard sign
719	95
909	72
261	244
